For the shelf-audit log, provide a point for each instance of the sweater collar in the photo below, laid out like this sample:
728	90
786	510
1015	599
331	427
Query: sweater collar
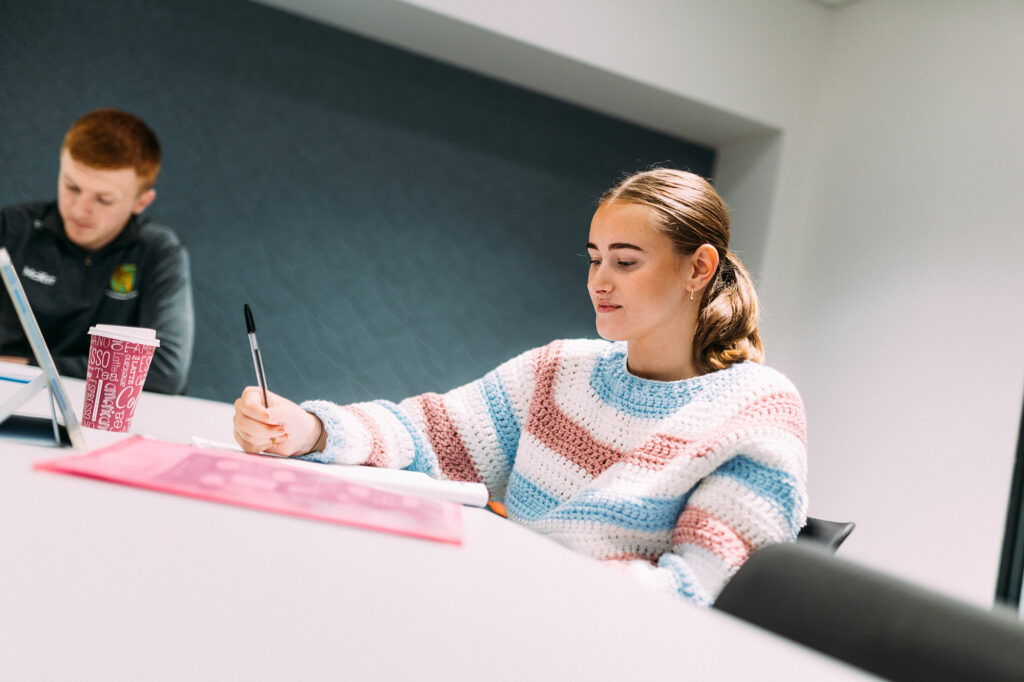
640	397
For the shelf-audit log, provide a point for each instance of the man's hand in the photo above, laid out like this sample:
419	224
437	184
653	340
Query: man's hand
17	360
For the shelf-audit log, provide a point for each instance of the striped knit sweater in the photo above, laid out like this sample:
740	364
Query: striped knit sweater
674	482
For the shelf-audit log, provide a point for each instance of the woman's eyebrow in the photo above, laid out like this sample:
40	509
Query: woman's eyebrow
616	245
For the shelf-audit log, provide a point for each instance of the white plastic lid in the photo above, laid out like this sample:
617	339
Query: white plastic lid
128	334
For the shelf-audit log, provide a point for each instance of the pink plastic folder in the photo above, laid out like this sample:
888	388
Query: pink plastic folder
263	483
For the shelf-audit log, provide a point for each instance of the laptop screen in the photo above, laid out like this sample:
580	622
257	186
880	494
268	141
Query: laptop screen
59	396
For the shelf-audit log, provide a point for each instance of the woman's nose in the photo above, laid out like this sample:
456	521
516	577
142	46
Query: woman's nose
597	282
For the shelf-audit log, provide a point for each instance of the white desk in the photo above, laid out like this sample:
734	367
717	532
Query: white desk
106	582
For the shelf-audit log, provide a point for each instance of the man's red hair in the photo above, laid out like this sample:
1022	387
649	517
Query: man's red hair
109	139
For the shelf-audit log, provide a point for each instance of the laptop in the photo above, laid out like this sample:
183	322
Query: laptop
21	383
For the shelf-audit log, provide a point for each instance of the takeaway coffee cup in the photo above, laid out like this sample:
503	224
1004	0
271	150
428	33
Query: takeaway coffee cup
119	360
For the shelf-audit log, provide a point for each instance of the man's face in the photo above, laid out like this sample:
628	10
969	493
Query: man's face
96	204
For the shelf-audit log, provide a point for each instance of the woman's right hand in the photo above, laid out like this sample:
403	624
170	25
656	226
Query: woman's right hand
282	427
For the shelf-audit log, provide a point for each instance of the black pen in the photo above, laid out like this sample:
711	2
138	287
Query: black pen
257	361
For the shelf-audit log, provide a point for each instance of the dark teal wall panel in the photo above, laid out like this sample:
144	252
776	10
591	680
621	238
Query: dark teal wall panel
397	224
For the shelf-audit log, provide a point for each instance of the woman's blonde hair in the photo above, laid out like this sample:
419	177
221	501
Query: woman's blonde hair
688	209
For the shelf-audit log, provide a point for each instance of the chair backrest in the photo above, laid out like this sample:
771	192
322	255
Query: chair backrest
884	625
831	534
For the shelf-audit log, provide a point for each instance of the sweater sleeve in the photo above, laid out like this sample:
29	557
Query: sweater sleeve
757	495
470	433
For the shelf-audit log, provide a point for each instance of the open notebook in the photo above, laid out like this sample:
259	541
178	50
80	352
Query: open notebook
396	480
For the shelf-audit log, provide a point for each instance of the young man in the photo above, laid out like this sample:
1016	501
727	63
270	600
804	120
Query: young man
90	258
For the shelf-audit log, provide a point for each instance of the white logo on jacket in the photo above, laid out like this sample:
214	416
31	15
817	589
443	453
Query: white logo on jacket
39	276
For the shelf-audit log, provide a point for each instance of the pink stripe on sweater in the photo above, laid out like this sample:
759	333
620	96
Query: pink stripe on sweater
662	448
452	454
631	556
782	410
698	527
555	429
777	410
378	455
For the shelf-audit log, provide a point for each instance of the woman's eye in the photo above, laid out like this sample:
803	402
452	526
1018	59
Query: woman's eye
626	263
594	262
105	202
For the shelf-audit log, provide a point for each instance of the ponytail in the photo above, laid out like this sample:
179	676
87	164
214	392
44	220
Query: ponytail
727	319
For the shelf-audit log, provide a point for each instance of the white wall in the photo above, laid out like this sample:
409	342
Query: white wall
873	159
904	283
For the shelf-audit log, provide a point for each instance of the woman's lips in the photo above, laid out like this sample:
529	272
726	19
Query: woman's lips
607	308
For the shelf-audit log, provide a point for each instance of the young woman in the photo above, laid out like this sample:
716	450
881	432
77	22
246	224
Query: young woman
667	449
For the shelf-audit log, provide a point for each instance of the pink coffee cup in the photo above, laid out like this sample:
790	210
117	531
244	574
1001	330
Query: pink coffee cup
119	360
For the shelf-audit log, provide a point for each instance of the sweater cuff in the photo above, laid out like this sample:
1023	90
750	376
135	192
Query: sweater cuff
334	445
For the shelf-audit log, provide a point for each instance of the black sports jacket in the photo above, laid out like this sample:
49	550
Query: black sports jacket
139	279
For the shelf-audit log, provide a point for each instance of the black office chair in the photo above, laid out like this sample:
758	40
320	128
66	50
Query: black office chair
831	534
884	625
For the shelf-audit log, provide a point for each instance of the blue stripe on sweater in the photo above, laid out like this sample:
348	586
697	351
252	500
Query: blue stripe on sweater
527	501
774	485
318	457
334	443
685	581
423	460
629	512
648	399
503	417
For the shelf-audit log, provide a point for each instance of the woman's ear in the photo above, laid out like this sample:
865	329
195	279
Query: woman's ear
704	265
